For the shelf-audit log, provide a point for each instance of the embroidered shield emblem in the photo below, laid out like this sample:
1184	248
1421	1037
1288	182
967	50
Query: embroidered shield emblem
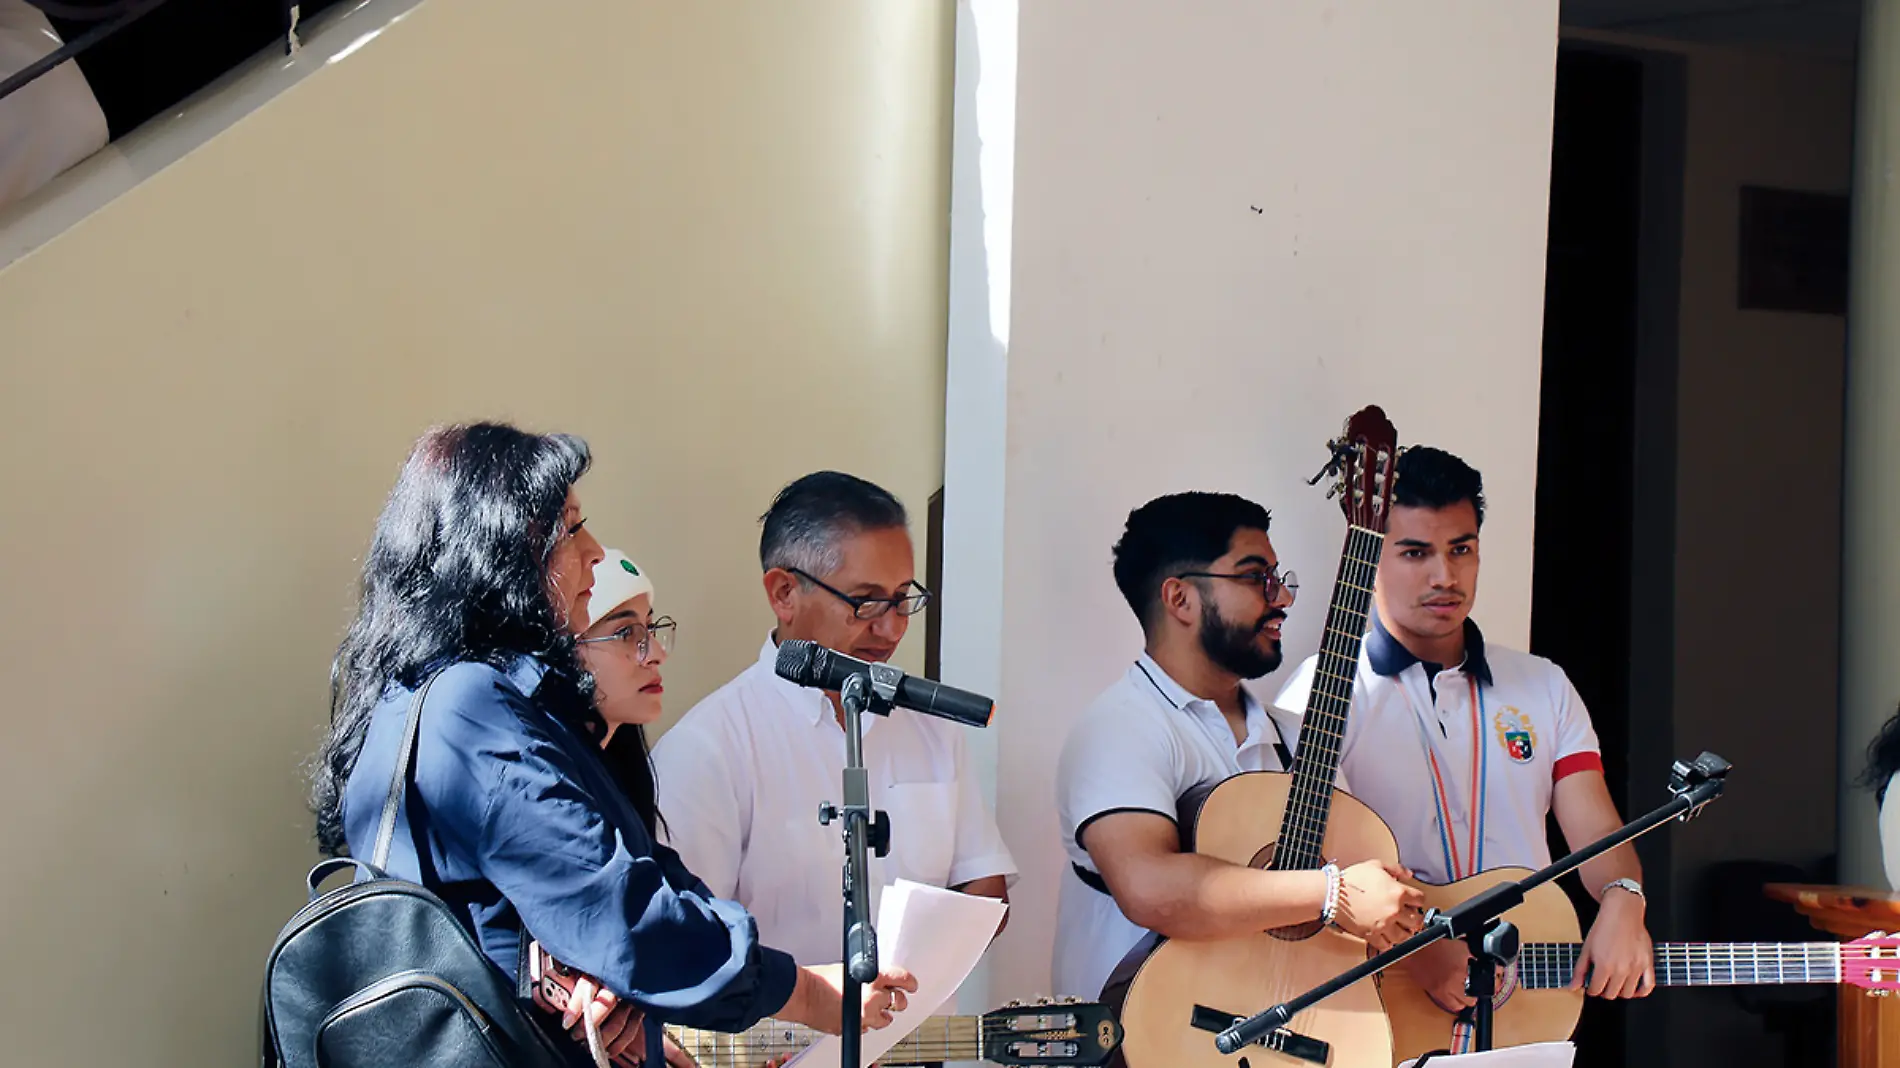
1516	734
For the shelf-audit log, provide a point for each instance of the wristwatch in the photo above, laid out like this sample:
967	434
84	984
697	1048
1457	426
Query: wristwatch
1631	885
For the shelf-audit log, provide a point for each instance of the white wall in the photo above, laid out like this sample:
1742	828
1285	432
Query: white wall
976	381
1234	224
709	238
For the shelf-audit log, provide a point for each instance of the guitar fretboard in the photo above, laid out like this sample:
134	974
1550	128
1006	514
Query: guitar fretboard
940	1038
1303	828
1549	965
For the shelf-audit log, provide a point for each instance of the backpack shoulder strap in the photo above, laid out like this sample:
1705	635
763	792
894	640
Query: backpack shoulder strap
405	764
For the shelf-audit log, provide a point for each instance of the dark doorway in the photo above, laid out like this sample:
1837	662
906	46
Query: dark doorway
1584	596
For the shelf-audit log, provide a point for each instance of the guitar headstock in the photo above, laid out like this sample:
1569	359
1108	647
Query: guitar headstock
1050	1031
1364	469
1872	962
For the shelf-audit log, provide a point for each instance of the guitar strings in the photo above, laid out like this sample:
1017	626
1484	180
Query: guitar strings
1549	965
958	1042
1322	731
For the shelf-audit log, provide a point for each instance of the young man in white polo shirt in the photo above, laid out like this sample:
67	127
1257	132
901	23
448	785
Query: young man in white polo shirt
1465	748
1202	577
742	774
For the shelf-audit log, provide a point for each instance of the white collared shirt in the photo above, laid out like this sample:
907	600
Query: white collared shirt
741	777
1140	746
1529	726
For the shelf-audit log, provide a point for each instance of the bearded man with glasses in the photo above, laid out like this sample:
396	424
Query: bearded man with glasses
1202	578
742	774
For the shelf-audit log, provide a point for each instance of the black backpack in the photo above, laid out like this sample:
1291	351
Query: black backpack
380	972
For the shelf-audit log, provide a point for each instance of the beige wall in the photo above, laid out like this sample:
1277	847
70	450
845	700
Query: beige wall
711	238
1235	224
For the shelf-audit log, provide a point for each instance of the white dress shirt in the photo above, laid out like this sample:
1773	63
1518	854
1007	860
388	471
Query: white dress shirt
741	777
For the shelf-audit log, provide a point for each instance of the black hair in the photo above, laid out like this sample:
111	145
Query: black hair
1175	533
1883	758
458	570
1433	478
811	515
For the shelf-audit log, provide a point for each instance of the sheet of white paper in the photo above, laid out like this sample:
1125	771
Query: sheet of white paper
1535	1055
935	934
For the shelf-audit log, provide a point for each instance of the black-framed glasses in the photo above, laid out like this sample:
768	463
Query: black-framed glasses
1270	582
644	637
907	604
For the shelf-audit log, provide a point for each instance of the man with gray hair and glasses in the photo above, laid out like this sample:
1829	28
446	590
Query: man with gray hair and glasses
742	774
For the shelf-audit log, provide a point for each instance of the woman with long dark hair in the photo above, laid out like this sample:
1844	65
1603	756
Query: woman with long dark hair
480	567
1883	763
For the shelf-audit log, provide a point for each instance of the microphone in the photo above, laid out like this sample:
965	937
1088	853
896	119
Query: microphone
810	664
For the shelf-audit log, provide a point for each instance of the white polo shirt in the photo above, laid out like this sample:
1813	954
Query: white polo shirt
741	777
1427	750
1140	746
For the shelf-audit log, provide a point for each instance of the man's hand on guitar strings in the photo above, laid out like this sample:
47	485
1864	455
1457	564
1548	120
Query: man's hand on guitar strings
1618	957
1376	906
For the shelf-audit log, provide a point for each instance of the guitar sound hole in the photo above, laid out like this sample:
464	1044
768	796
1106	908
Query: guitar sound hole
1244	1064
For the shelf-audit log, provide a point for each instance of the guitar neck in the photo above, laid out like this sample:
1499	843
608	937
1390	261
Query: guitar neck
1303	827
1549	965
940	1038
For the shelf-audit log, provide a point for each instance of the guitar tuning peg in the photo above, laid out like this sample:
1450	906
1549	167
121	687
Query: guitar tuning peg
1068	999
1017	1004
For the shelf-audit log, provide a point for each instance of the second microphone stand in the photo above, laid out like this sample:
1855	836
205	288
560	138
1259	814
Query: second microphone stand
863	828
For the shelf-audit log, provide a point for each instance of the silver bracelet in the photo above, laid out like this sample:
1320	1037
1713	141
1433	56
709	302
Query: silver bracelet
1330	910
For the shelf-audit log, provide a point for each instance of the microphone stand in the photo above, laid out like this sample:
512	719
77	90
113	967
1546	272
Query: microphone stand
863	827
1493	941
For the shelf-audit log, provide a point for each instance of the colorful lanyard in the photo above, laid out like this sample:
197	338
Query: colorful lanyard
1473	852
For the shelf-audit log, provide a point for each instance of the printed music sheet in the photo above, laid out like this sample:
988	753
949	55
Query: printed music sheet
935	934
1534	1055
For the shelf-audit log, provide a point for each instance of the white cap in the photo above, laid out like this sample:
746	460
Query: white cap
616	581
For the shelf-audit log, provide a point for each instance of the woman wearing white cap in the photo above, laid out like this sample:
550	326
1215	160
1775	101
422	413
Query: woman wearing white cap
623	648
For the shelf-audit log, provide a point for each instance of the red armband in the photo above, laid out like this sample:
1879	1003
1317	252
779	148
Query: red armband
1574	763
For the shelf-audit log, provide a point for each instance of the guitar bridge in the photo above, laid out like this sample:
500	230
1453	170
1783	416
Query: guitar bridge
1292	1043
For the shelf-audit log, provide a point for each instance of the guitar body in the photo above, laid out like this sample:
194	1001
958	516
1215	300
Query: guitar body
1238	823
1521	1015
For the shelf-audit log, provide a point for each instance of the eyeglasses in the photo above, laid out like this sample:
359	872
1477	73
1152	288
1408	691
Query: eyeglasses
1270	582
644	637
907	604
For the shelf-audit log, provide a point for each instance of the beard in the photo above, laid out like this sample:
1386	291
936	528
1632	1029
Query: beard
1236	646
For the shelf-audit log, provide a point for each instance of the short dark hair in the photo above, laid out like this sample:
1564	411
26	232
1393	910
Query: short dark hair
1433	478
1175	533
811	516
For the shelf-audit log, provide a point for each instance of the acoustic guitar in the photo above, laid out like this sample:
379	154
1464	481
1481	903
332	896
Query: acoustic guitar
1047	1032
1186	991
1533	1004
1059	1033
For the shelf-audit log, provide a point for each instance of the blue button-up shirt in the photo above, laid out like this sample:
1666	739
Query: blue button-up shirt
524	829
